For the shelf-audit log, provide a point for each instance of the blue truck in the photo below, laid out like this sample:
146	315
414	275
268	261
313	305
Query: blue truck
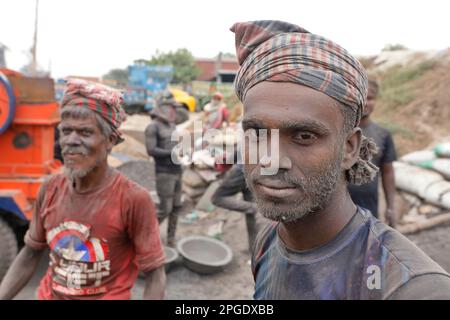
145	84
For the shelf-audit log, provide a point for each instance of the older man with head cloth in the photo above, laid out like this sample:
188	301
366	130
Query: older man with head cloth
99	226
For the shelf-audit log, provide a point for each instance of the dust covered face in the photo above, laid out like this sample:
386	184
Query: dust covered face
370	105
310	149
168	113
83	145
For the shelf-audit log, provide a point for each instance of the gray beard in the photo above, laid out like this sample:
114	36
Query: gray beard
317	190
73	174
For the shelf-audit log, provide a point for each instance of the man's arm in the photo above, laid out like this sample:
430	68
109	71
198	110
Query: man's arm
20	272
232	184
388	181
155	284
143	231
151	143
388	178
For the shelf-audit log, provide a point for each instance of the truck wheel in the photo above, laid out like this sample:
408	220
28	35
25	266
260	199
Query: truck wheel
8	247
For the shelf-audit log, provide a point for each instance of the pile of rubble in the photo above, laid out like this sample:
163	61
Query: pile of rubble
201	172
196	183
423	178
206	167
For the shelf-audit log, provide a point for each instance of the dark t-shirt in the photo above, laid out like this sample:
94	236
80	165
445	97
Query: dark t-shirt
366	260
159	145
366	195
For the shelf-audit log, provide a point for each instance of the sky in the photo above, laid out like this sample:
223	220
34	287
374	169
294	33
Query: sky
90	37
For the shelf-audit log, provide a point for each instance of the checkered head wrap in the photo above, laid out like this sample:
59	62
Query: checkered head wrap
282	52
104	100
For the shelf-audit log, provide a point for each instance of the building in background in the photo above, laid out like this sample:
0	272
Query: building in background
217	69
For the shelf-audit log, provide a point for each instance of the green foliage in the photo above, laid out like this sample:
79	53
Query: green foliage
395	128
229	55
394	47
182	61
397	84
118	75
202	90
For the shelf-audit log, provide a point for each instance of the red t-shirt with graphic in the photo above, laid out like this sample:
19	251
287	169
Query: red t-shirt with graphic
98	240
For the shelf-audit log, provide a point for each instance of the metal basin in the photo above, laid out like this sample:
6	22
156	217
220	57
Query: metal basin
204	255
171	257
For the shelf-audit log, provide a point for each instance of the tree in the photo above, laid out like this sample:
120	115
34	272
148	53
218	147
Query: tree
394	47
183	63
118	75
229	55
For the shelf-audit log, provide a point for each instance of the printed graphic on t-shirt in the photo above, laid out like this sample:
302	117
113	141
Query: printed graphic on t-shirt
79	263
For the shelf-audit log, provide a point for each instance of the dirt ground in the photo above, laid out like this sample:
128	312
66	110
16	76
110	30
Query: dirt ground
436	243
234	282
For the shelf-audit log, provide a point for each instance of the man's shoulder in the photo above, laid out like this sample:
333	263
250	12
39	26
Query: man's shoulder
129	186
430	286
401	261
54	181
403	250
49	186
152	126
131	190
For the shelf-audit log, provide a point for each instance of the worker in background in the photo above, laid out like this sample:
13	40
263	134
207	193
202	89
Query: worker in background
181	114
159	145
232	184
366	195
99	226
215	112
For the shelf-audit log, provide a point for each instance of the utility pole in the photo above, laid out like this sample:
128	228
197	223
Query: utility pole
33	49
3	49
218	67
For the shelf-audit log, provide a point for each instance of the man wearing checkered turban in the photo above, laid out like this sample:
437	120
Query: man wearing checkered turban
105	101
308	93
99	227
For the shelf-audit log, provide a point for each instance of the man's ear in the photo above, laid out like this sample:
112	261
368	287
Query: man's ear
111	142
352	145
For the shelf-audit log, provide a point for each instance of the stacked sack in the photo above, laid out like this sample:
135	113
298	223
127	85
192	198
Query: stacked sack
426	174
437	159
